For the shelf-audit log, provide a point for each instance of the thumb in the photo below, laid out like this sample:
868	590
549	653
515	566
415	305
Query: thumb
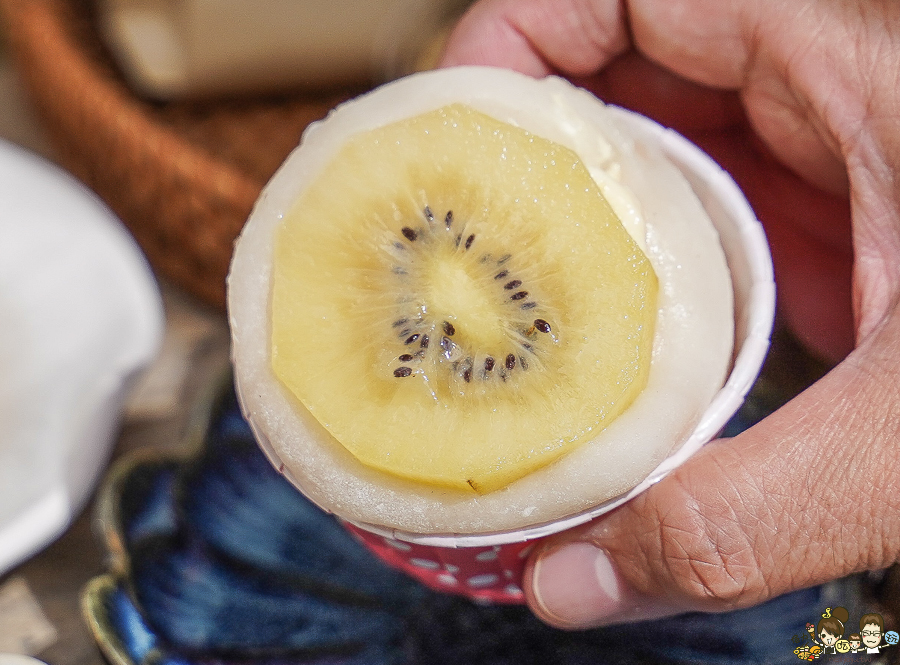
806	496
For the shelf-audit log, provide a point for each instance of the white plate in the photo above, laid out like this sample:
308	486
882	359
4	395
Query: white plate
80	316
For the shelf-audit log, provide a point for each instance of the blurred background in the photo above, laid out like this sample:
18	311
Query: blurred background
40	611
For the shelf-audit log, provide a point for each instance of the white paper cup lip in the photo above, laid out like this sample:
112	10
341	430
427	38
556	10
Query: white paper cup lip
750	263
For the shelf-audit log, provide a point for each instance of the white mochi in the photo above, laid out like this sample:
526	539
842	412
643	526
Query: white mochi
692	350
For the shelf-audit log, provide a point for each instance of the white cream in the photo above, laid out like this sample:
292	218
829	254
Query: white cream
692	348
562	123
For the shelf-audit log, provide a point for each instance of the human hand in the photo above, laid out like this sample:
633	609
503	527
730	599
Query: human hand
801	102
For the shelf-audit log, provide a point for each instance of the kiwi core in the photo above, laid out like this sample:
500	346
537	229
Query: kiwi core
457	304
461	299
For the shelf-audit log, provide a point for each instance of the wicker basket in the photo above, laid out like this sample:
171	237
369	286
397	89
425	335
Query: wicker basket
182	176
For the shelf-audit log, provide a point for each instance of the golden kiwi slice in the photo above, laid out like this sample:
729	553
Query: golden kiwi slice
363	358
454	328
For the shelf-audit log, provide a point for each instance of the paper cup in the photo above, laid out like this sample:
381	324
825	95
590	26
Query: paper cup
489	566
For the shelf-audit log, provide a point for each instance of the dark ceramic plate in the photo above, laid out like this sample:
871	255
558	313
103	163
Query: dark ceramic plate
216	559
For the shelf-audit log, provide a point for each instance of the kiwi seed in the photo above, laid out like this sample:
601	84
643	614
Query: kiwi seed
412	327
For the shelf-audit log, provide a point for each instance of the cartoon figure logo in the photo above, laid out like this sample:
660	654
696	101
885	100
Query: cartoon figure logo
831	628
871	628
827	636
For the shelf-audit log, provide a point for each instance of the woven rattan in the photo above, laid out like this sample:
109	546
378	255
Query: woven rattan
182	176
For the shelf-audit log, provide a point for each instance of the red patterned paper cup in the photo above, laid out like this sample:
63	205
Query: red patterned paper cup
489	567
490	573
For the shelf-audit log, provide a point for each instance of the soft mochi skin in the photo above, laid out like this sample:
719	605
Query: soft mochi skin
694	328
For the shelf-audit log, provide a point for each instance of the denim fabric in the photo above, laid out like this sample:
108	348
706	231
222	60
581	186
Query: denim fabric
230	564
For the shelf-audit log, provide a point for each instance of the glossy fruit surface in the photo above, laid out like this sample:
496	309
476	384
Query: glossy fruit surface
455	301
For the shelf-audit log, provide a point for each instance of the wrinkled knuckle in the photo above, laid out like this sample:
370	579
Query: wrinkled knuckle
708	557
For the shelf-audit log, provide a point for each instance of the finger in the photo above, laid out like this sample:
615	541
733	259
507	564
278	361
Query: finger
539	37
801	498
737	45
703	40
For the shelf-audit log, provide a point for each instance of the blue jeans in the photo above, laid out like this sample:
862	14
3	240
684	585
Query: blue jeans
229	564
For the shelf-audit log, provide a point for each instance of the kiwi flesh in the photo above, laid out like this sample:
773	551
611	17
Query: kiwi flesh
691	346
452	328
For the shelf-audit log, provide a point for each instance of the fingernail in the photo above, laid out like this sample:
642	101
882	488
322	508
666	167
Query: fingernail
576	586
